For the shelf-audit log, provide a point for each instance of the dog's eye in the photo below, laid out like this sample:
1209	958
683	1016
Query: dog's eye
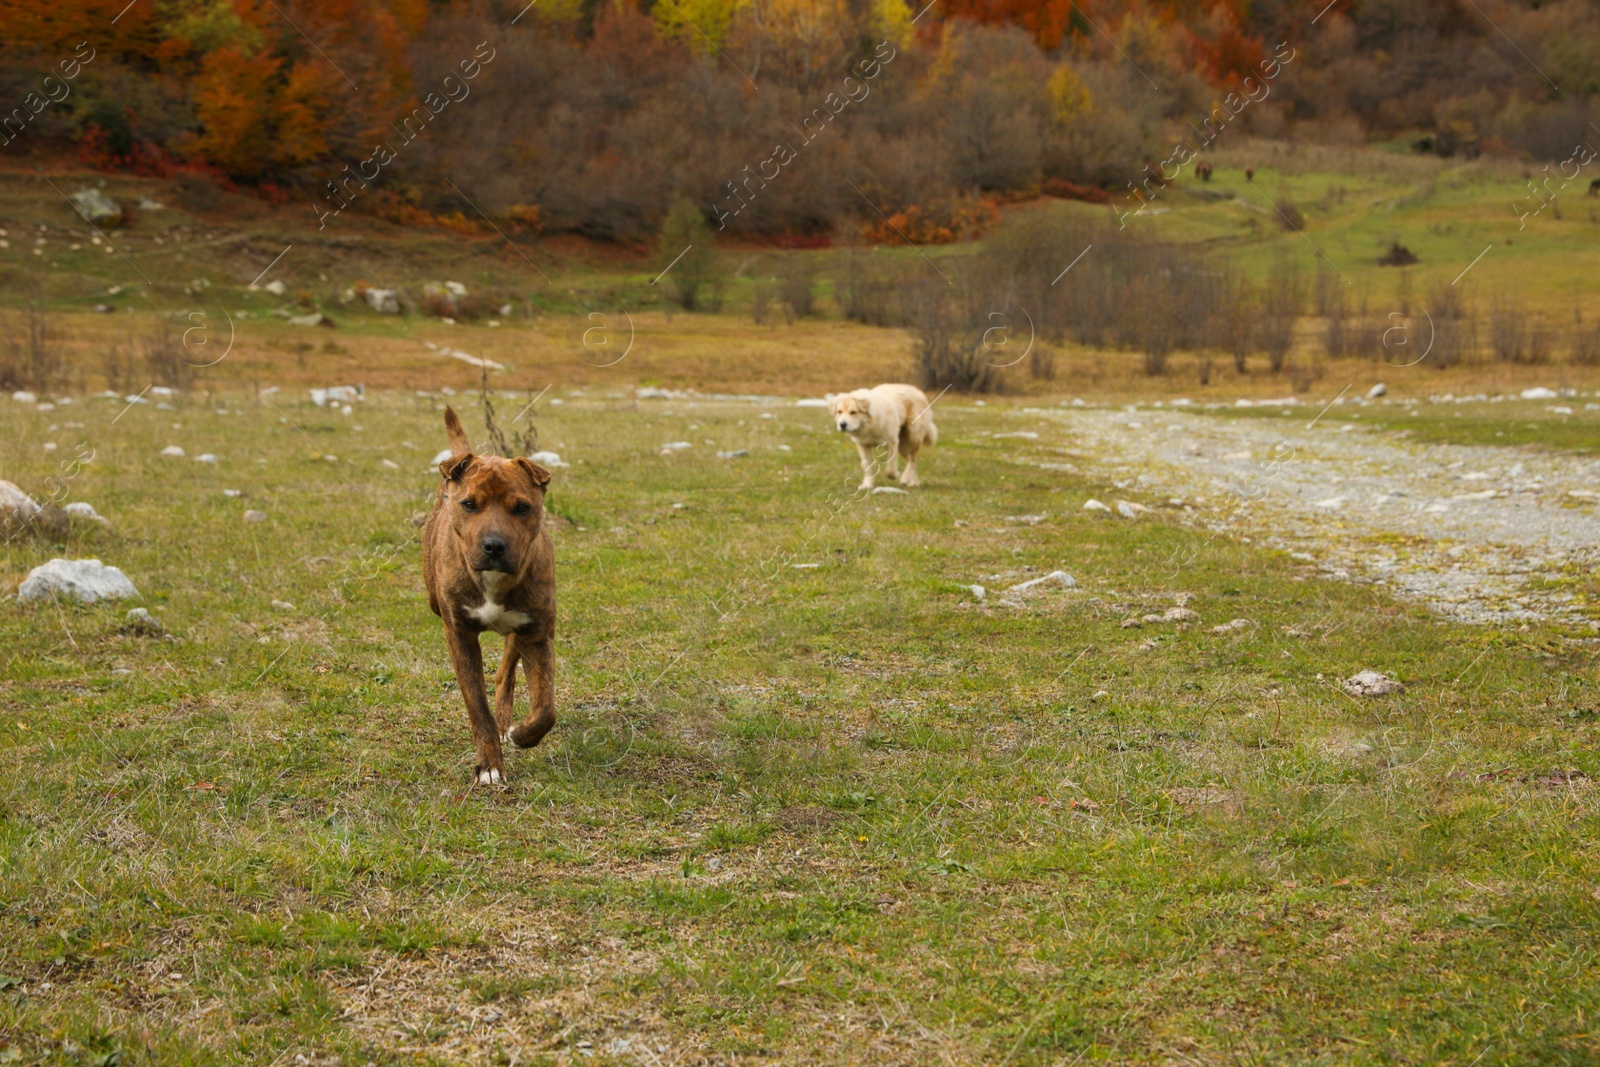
469	505
522	508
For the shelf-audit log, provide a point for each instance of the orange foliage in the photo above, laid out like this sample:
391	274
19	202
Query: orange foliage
942	224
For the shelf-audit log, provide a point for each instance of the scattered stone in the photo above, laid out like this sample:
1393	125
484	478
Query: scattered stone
1130	511
1179	614
737	453
1026	435
978	591
206	457
315	318
1232	627
15	503
255	516
548	459
1371	684
1539	393
383	301
83	580
1061	578
276	287
232	494
282	605
1377	390
96	207
140	621
389	464
22	396
811	402
888	489
1094	505
674	446
79	510
1129	624
337	394
439	457
173	451
1330	504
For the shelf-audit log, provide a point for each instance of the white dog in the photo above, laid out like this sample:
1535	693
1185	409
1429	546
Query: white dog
898	417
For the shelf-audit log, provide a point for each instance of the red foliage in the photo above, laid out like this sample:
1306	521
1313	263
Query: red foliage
1065	190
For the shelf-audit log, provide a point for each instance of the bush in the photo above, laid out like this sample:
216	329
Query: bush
687	256
797	286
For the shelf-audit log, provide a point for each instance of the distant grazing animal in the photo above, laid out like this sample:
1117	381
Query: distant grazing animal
1204	170
488	564
1249	174
898	417
1594	187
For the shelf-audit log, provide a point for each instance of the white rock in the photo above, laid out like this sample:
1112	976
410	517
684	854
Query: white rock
162	390
1094	505
676	446
737	453
1026	435
1371	684
276	287
888	489
440	457
383	301
83	580
255	516
389	464
282	605
336	394
22	396
205	457
79	510
141	621
135	399
978	591
232	494
811	402
1376	391
1232	627
456	288
1061	578
1331	503
1539	393
547	459
315	318
1559	409
13	501
173	451
1129	510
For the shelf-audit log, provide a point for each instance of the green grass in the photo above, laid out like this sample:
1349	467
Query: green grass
1523	424
835	814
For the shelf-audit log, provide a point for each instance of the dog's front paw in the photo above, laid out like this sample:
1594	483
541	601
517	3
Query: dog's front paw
490	776
865	485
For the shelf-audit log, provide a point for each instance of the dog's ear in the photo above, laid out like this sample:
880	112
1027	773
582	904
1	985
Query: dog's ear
456	467
536	474
455	432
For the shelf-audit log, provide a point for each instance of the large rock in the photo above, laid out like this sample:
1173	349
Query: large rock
96	207
1371	684
83	580
383	301
15	503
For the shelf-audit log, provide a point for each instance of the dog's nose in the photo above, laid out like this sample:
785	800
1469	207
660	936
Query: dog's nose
494	547
842	426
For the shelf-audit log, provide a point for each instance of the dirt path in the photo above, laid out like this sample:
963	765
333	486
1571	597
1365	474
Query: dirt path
1479	533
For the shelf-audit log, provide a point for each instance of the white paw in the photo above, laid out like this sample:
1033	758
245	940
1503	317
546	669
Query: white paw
490	776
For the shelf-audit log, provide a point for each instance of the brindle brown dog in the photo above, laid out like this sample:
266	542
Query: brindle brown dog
488	565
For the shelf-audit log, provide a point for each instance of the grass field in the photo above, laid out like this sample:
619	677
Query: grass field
809	799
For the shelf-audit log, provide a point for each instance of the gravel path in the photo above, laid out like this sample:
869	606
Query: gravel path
1478	533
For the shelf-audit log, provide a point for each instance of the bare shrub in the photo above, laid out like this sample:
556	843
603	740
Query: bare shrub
166	361
1281	303
762	300
1585	342
1233	325
865	285
797	286
1517	335
30	356
1290	217
947	324
1042	363
1454	327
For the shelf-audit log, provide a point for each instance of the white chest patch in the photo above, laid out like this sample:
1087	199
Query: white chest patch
491	614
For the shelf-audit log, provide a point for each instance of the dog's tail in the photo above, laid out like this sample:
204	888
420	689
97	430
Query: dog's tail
456	432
